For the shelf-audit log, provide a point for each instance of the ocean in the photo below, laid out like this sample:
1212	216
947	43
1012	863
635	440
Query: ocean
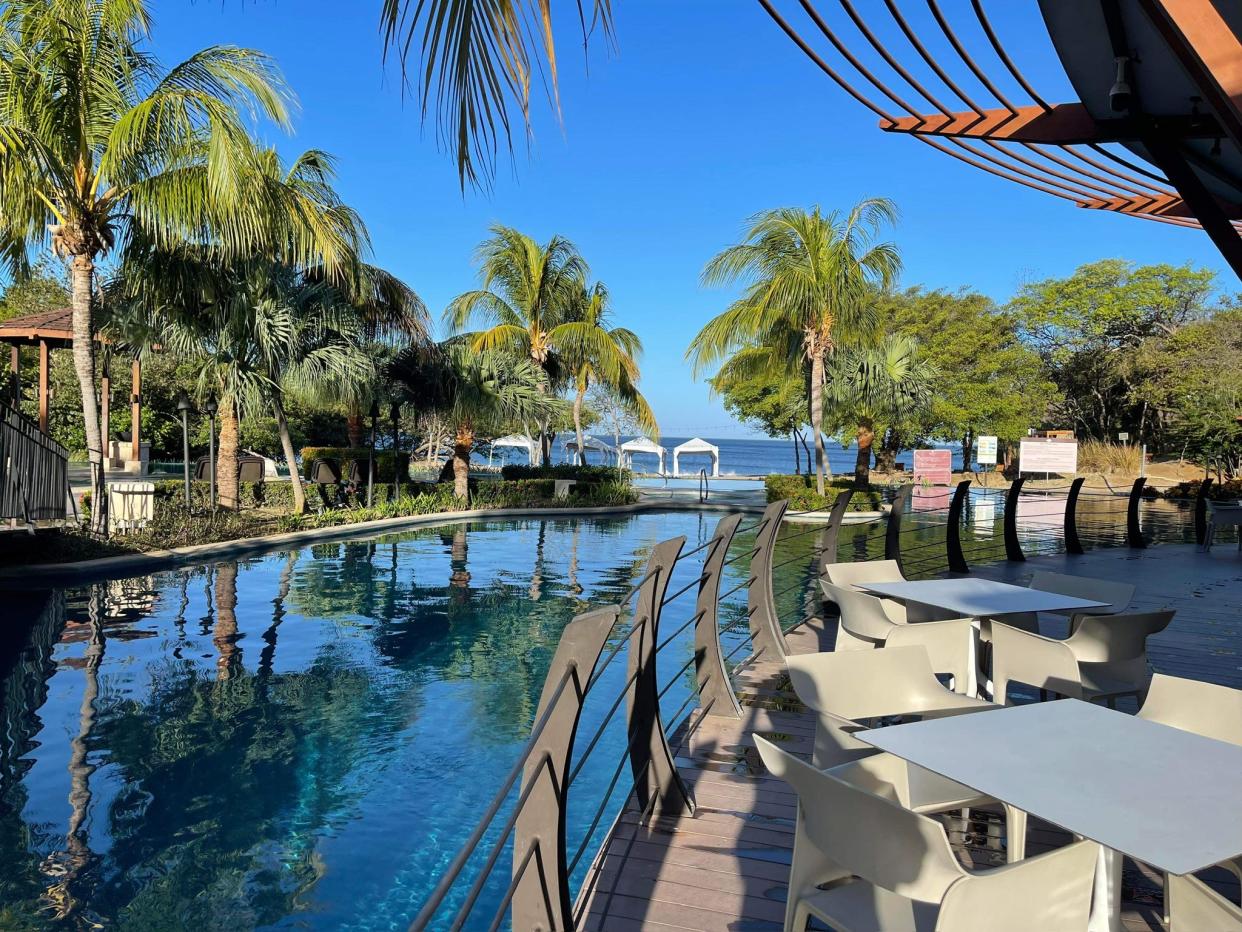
738	456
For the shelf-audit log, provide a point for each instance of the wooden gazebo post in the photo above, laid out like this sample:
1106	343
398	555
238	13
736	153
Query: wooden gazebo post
43	385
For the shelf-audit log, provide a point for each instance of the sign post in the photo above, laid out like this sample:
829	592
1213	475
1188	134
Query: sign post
1047	455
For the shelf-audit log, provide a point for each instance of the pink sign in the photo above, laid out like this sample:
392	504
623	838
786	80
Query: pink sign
933	466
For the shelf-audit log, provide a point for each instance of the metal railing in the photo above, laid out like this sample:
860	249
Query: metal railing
529	813
34	471
1032	521
704	489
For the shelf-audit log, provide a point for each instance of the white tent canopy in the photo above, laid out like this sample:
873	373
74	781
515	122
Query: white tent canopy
521	442
697	445
640	445
591	443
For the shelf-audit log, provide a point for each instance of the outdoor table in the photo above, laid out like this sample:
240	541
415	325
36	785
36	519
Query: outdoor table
1163	796
978	598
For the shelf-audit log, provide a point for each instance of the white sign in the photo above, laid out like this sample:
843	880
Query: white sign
985	451
1041	455
1123	436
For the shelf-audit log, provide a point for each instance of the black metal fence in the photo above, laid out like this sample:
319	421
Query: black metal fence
34	471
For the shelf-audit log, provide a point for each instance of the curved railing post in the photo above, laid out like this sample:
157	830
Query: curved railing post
1013	546
953	532
1201	501
1072	543
1134	529
766	636
828	542
892	531
541	897
716	695
657	784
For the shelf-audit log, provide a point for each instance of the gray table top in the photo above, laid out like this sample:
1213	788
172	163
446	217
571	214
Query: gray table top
1161	795
979	598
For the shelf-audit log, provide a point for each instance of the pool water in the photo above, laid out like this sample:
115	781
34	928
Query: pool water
302	739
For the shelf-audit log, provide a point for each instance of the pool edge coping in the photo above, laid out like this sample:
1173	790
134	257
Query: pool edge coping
42	575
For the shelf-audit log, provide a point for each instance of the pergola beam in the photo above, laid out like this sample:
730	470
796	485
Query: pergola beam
1060	125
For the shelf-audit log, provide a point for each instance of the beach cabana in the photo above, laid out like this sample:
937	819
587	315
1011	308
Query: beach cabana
640	445
697	446
589	443
520	442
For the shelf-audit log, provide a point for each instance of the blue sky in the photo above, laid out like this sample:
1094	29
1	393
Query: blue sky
704	115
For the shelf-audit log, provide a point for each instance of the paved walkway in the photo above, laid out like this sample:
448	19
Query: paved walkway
725	867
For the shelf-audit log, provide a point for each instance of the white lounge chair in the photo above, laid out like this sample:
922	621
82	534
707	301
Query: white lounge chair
893	869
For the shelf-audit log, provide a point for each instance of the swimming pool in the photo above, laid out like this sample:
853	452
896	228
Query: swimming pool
299	739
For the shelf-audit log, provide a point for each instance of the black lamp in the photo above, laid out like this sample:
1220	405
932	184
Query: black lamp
184	406
375	413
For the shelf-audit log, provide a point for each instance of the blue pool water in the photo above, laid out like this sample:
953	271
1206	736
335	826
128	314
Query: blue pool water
302	739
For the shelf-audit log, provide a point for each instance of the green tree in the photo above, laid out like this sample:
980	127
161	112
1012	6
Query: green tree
987	381
888	382
771	401
472	389
101	145
810	281
1087	328
597	353
529	293
1190	379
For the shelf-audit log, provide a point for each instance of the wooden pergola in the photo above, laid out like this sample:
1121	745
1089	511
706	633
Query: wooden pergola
53	330
1156	132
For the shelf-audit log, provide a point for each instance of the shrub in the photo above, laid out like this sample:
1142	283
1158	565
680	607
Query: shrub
566	471
1230	490
384	461
1102	457
800	490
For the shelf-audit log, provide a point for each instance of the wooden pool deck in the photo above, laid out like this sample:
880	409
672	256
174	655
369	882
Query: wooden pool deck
725	867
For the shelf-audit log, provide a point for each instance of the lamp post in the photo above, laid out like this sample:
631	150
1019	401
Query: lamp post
394	411
371	452
211	408
184	406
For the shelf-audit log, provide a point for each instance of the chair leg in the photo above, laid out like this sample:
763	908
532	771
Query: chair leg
799	916
1015	831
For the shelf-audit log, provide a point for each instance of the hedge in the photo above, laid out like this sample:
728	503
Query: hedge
384	460
1230	490
800	490
566	471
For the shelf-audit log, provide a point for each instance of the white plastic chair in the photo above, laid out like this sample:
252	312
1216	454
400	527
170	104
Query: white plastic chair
844	690
1117	595
1223	515
1104	658
1202	708
892	869
1192	906
864	625
852	575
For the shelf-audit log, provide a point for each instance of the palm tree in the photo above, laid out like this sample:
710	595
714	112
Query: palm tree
471	389
597	353
476	59
809	279
99	145
884	383
529	293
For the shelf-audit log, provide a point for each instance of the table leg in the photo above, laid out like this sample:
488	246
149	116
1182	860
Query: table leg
1106	896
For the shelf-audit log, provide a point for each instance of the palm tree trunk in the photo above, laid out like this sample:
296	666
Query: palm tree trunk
463	442
354	426
82	282
286	444
224	634
226	456
578	422
817	417
862	463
